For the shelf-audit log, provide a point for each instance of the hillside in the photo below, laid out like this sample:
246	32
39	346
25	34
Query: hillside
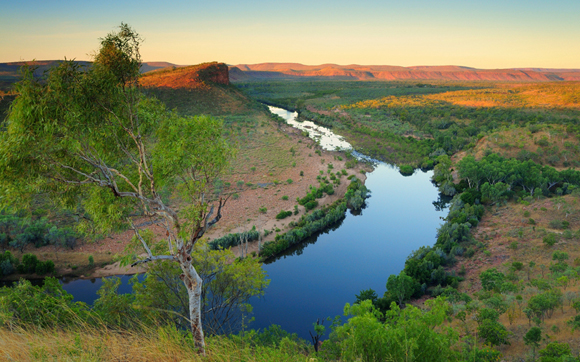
242	72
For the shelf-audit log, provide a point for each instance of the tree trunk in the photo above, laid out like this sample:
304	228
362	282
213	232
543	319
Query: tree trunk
193	285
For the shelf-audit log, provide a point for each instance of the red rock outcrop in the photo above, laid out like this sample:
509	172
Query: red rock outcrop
195	76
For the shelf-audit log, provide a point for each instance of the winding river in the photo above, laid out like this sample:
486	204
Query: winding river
316	279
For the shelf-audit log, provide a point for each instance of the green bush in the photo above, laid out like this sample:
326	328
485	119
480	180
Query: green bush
283	214
406	170
28	265
311	205
42	306
550	239
46	267
230	240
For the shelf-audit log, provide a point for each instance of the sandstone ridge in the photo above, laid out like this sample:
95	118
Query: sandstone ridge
242	72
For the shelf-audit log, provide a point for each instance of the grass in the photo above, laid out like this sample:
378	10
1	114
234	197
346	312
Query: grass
498	231
87	343
547	145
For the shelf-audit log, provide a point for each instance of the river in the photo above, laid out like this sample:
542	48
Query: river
316	279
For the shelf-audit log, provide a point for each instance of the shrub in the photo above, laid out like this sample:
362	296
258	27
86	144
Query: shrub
556	224
311	204
230	240
28	265
283	214
406	170
91	261
550	239
43	268
469	252
263	210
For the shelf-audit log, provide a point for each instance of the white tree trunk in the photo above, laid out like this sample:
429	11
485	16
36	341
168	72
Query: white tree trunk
193	285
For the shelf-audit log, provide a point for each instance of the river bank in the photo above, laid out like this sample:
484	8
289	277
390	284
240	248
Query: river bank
263	195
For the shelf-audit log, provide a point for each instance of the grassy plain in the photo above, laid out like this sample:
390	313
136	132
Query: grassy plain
405	122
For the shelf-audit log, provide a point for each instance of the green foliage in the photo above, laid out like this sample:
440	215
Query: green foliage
18	231
533	337
228	284
402	287
8	263
406	170
317	221
114	309
543	305
559	256
550	239
554	351
283	214
367	294
406	334
356	194
43	306
229	240
311	204
493	332
491	279
82	103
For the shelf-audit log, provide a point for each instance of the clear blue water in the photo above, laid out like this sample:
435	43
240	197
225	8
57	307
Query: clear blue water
316	279
362	253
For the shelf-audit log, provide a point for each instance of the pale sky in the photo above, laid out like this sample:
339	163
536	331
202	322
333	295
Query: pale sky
481	34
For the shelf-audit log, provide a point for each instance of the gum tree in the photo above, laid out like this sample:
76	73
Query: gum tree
89	139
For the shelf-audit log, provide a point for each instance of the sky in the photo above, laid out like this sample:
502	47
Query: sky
486	34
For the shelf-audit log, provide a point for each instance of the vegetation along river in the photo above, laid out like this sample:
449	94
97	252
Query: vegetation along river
316	279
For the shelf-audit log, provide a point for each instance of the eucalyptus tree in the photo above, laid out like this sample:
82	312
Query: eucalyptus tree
88	138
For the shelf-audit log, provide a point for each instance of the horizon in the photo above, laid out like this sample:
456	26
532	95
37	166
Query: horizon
314	65
483	35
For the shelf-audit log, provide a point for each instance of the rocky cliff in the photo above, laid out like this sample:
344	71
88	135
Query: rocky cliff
195	76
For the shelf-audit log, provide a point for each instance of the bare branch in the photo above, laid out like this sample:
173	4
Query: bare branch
141	239
154	258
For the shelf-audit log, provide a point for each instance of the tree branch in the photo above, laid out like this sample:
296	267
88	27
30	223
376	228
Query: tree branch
154	258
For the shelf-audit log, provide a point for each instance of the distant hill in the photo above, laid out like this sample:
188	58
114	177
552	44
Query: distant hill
242	72
9	71
190	77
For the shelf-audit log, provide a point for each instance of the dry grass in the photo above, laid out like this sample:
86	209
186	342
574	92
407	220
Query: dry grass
100	344
531	95
508	236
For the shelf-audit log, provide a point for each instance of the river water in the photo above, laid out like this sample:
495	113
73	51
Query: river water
316	279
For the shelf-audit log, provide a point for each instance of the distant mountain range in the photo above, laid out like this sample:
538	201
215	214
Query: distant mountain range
242	72
264	71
